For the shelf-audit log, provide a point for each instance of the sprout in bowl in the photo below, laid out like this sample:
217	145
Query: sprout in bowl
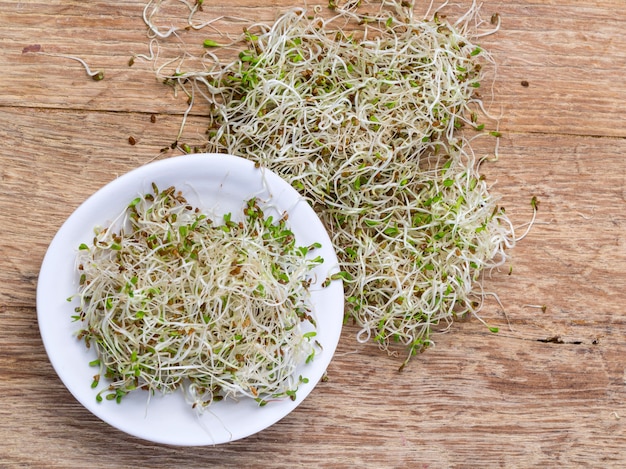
209	283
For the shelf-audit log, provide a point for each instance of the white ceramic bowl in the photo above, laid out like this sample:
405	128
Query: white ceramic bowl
217	184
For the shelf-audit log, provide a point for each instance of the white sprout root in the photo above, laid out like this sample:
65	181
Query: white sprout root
95	75
362	113
173	300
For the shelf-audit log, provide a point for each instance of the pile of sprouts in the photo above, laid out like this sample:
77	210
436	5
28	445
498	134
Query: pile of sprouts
369	112
174	300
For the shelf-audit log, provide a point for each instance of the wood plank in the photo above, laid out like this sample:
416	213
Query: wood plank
577	237
475	399
568	53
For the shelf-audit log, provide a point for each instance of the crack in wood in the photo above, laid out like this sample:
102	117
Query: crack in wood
558	340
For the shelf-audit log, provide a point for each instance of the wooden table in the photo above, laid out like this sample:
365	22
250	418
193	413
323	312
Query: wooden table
548	390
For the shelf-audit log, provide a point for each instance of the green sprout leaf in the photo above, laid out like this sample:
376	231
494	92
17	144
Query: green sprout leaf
211	43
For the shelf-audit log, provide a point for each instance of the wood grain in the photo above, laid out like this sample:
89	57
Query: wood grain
548	390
